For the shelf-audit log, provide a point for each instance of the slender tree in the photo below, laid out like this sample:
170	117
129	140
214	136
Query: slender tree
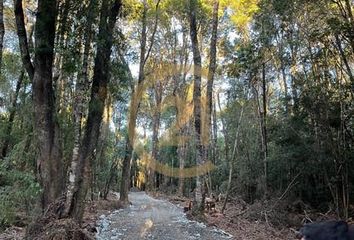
2	30
108	15
80	103
210	83
10	123
200	186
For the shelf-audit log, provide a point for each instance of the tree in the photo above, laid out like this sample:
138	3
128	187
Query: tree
80	103
2	30
6	143
200	190
108	15
49	163
211	73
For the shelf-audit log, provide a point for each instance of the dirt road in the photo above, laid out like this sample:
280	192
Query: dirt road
149	218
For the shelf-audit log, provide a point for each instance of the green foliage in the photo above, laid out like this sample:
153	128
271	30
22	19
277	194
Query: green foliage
243	11
19	192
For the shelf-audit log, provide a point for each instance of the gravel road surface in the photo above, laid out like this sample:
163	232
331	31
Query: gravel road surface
149	218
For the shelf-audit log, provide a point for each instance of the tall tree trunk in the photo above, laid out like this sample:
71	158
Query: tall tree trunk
63	20
285	86
60	75
232	159
135	102
181	151
109	180
8	129
181	104
212	63
79	106
49	162
264	128
115	162
199	194
158	88
2	30
293	73
215	135
101	76
210	83
262	113
224	131
182	132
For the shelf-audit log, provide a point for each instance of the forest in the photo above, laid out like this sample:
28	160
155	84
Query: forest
242	107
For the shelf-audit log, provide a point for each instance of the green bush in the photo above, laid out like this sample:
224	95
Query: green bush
18	194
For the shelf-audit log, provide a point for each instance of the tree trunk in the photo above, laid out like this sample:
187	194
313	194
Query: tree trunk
261	112
49	162
212	64
182	132
100	80
2	30
60	75
22	38
181	157
285	87
79	106
155	130
232	160
181	104
293	73
264	129
12	116
199	193
224	131
109	180
210	83
215	136
115	162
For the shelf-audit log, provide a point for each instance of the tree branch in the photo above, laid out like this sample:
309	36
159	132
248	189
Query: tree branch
153	33
22	38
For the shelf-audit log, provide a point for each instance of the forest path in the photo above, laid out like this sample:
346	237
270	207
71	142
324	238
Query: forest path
149	218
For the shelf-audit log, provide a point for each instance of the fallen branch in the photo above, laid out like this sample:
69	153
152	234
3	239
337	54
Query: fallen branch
291	184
